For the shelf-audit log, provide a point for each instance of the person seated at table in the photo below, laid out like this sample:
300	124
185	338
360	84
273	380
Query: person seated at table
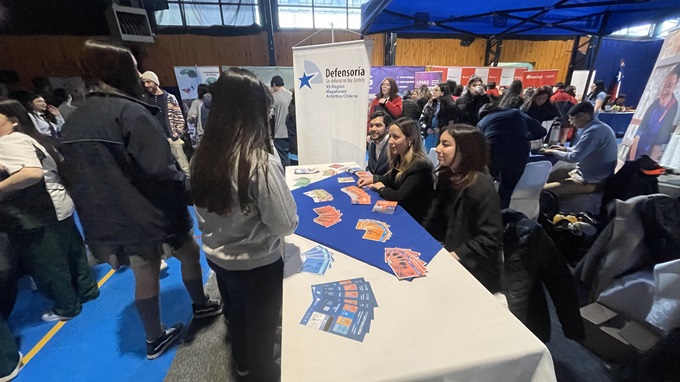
508	133
539	106
244	209
409	180
619	101
597	96
466	214
377	149
439	111
594	153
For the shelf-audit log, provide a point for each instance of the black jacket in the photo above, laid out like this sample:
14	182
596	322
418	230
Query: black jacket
379	165
469	106
468	222
413	191
121	175
532	261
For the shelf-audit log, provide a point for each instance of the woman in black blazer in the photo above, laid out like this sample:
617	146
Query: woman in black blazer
409	181
466	212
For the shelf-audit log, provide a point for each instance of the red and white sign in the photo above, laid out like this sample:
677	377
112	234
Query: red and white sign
502	76
538	78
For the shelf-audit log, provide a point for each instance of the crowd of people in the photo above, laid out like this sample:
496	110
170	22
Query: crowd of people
141	164
480	134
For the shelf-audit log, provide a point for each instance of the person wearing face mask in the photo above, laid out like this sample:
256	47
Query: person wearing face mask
473	100
46	118
466	214
539	106
438	112
388	99
409	179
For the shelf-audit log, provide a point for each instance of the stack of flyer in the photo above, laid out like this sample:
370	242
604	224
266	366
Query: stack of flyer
344	308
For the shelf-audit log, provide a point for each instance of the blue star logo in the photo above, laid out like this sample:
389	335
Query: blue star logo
304	80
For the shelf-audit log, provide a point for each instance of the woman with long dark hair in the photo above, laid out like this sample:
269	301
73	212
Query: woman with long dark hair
473	100
597	96
409	179
539	106
466	212
46	118
244	210
38	217
438	112
388	99
130	193
512	97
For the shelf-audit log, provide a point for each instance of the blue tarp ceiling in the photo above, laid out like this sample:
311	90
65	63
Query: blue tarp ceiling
507	18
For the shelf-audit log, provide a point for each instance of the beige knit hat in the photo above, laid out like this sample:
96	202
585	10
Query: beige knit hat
151	76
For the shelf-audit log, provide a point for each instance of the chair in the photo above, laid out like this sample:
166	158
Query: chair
527	193
433	157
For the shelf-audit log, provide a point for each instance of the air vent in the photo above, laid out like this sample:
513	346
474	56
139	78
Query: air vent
129	24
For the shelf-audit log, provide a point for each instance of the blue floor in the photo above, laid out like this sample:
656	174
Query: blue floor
106	341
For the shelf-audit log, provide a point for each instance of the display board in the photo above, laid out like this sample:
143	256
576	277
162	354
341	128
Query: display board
331	100
502	76
656	117
404	75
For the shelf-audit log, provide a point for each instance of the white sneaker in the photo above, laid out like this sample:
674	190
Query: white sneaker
15	372
164	266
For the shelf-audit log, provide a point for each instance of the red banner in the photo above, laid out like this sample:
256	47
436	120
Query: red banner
538	78
495	75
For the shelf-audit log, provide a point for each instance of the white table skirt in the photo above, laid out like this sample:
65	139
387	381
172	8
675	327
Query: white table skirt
443	327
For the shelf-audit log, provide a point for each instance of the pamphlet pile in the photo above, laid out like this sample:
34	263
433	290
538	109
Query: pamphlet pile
317	260
328	216
405	263
319	195
344	308
358	195
375	230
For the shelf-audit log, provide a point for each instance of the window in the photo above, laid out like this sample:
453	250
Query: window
205	13
637	31
665	27
319	14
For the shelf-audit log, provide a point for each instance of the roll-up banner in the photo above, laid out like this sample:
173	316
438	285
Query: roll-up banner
331	99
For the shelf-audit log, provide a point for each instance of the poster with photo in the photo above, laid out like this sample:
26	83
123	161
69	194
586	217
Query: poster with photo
656	117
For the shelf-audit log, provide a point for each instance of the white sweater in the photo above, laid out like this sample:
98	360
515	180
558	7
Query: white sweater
239	241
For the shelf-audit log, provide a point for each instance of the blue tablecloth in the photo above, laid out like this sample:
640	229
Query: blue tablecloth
345	238
617	121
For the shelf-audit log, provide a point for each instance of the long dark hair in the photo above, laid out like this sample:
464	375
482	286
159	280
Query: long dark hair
531	102
394	88
599	88
236	141
111	68
29	107
15	112
471	158
512	96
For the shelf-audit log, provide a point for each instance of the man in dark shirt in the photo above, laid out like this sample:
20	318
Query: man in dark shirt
508	132
377	150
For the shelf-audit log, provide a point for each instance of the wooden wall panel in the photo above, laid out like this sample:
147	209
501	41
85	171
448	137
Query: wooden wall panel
441	51
553	54
33	56
187	50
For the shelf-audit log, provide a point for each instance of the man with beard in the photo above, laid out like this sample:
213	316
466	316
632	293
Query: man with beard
377	148
657	124
170	117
